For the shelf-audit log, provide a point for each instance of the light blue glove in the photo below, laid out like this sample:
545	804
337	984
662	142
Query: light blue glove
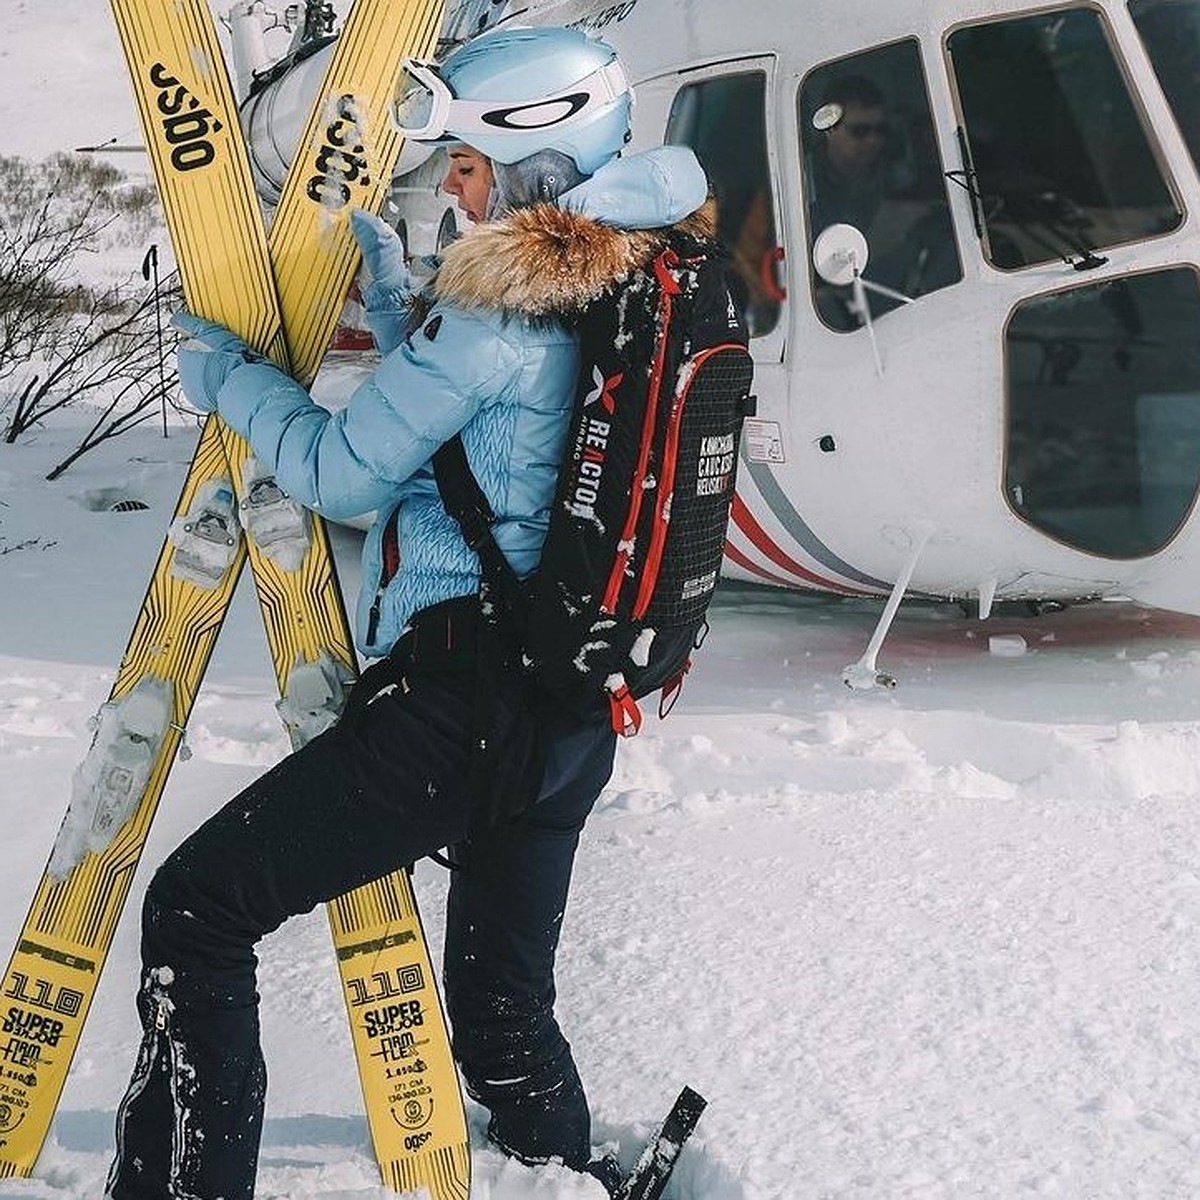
386	297
207	357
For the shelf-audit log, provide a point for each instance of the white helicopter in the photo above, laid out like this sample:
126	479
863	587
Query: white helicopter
969	234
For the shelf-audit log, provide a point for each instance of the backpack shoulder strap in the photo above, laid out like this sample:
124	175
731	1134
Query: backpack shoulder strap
465	501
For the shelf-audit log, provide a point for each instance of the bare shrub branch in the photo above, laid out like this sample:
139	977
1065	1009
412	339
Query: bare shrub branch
74	342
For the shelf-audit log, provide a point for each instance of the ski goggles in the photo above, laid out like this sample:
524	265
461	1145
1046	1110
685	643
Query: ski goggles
428	111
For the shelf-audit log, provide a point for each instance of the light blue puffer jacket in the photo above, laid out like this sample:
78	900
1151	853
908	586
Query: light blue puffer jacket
494	359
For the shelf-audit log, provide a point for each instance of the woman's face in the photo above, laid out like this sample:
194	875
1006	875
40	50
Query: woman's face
469	179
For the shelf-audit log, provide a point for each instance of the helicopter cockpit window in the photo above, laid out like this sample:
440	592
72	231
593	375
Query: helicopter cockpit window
871	160
723	119
1103	437
1060	161
1170	30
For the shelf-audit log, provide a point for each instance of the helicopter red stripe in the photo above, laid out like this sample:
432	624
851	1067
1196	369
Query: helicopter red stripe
748	564
744	519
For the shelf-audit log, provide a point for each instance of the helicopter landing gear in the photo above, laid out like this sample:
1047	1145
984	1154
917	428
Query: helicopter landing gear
864	675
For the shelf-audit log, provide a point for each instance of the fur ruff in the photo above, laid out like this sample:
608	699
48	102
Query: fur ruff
546	261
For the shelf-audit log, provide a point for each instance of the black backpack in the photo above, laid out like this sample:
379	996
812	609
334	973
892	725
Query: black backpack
637	531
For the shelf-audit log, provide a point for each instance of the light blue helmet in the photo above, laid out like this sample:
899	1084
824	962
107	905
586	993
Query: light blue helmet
510	93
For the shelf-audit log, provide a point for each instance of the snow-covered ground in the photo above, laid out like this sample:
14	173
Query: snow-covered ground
933	943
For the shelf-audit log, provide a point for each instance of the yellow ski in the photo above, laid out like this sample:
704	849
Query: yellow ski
347	154
190	124
52	976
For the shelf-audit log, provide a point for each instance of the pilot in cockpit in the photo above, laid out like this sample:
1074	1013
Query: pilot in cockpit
863	169
849	164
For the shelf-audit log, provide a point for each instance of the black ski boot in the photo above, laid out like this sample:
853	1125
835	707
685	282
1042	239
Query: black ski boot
608	1171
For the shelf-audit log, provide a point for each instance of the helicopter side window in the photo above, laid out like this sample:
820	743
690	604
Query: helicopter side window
871	160
1103	417
1170	30
723	119
1060	161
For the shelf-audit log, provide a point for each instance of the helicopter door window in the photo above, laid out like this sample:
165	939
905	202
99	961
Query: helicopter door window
723	119
1103	421
1170	30
871	160
1060	159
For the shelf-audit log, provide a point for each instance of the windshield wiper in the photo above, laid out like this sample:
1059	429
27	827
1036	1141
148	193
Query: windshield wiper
969	182
1027	209
1047	216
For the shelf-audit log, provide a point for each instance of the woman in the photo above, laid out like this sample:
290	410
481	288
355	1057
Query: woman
487	352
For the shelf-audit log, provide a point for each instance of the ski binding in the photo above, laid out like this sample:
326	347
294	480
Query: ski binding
313	698
206	538
109	783
274	522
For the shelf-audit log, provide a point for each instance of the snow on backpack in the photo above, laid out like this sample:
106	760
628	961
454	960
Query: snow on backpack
637	531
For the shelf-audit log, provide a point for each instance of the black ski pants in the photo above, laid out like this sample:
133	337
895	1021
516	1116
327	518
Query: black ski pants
385	787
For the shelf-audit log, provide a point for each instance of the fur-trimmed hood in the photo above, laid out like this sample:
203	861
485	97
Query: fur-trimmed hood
553	260
546	261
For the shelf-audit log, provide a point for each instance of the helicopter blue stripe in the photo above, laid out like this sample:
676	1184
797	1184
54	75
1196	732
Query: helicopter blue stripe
790	519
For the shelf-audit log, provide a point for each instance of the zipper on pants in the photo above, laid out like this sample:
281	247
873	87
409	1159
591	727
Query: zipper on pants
157	1042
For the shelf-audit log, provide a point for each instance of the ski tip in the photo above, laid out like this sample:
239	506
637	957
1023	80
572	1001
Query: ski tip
649	1176
691	1102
